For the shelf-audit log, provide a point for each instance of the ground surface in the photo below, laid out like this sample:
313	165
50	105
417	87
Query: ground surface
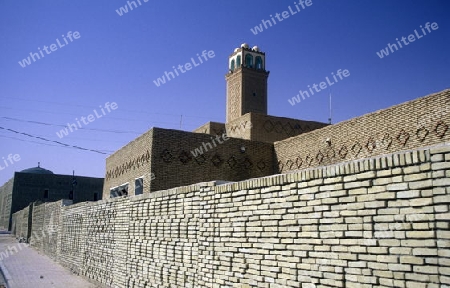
24	267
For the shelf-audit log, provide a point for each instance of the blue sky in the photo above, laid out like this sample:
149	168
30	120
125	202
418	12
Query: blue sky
116	58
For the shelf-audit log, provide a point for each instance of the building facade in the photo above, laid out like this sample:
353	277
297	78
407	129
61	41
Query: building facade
259	144
39	184
239	149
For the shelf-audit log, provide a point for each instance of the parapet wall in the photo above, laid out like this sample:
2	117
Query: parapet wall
410	125
378	222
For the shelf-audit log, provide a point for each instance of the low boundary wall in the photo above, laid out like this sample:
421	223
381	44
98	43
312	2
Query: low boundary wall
377	222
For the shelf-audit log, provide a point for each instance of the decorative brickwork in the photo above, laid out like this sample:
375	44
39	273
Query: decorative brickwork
211	128
269	129
246	92
410	125
234	99
173	163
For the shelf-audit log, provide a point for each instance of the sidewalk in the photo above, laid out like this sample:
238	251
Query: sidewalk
24	267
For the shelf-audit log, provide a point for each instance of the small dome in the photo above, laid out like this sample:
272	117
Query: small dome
255	48
244	45
235	50
36	170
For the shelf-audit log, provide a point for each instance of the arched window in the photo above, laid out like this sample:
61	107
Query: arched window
232	65
238	61
258	62
249	61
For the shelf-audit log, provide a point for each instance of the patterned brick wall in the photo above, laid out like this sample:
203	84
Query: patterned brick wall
377	222
174	164
410	125
211	128
241	127
129	163
234	99
246	92
168	155
269	129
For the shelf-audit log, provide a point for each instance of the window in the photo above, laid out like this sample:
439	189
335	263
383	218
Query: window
138	186
46	193
238	61
71	195
121	190
249	61
114	192
232	65
258	62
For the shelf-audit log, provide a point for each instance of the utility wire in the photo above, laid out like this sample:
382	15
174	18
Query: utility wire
67	113
52	141
59	125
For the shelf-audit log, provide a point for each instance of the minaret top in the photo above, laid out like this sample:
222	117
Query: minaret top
247	57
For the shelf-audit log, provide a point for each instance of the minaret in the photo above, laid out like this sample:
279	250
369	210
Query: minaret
246	82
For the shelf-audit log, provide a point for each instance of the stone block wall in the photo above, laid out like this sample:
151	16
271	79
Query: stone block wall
37	222
21	223
167	226
377	222
105	254
72	237
46	221
410	125
5	204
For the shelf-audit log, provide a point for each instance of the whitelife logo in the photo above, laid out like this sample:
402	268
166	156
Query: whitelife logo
11	158
411	38
284	15
188	66
90	118
124	9
35	56
207	146
323	85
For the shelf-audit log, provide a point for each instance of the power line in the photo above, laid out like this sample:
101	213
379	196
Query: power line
59	125
73	114
40	143
52	141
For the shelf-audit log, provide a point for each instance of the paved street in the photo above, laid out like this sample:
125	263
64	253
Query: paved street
24	267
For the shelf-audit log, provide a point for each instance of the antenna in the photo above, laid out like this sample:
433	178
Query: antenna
181	121
329	119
